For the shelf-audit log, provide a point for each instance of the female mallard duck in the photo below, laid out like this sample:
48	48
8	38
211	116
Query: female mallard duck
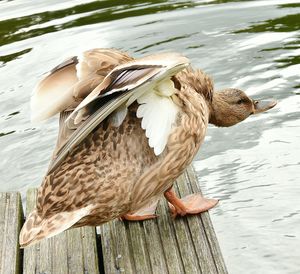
128	128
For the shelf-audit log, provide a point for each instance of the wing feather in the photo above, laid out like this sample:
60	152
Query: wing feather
86	128
158	114
133	74
72	80
122	86
53	94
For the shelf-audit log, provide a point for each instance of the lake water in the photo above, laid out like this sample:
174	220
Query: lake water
253	168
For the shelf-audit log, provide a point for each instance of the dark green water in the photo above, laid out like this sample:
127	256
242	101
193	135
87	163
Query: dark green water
253	168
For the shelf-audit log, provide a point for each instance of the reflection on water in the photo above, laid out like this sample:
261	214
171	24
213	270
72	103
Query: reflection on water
20	28
251	167
285	24
6	58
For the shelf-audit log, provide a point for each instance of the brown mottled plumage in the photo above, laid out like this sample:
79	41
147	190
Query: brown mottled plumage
113	171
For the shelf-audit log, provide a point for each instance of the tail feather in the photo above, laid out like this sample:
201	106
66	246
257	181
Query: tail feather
37	228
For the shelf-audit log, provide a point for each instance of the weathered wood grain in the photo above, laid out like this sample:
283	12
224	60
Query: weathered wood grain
197	230
116	248
154	246
168	239
185	244
139	249
208	227
11	219
73	251
164	245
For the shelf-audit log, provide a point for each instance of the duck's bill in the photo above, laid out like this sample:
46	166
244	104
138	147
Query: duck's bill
263	105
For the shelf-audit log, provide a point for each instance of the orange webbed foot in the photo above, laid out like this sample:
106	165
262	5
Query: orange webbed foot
191	204
133	217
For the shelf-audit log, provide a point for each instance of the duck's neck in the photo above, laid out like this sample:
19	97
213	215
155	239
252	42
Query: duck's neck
196	117
213	106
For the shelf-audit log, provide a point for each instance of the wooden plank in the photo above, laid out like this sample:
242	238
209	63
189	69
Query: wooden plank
116	248
71	252
197	231
107	243
164	245
208	227
185	244
11	219
168	239
153	242
139	250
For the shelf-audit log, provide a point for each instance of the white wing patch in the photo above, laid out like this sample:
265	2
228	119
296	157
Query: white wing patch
158	113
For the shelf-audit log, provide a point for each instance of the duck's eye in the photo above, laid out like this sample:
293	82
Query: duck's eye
241	101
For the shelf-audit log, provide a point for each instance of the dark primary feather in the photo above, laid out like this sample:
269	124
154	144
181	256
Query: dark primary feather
129	77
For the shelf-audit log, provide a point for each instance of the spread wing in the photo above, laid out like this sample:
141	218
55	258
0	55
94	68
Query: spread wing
121	87
65	86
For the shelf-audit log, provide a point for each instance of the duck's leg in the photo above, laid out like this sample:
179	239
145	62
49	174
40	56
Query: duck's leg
191	204
144	213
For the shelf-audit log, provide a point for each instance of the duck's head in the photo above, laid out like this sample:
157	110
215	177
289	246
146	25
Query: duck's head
231	106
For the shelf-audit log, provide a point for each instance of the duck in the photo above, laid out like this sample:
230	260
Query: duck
128	127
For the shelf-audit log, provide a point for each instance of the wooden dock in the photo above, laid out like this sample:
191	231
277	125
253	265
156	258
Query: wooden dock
163	245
